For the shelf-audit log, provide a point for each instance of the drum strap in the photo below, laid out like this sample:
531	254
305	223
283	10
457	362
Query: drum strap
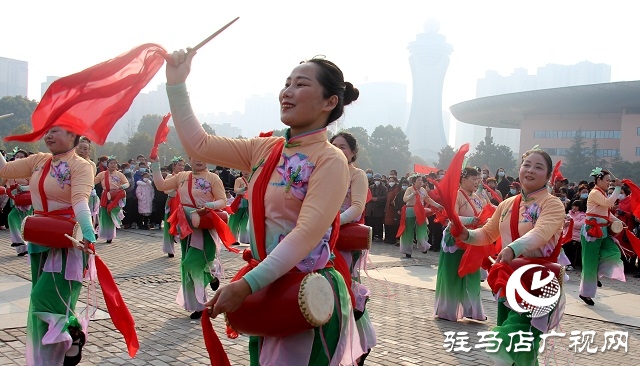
515	234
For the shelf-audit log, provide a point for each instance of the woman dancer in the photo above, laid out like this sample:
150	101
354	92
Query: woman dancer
296	193
60	183
457	297
84	149
414	226
529	225
18	212
239	220
112	201
200	250
168	240
351	211
600	254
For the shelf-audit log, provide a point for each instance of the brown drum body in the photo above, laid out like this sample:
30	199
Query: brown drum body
616	227
354	237
49	231
277	310
22	199
205	222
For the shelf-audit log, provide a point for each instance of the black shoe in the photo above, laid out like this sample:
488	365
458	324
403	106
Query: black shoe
16	244
170	255
74	354
236	243
587	300
407	255
196	315
215	283
22	254
109	241
599	284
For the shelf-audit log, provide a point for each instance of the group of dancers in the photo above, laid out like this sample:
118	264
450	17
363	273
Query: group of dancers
294	197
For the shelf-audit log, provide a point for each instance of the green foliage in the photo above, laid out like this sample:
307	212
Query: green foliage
280	132
149	123
494	156
208	129
444	157
576	166
22	109
389	148
140	143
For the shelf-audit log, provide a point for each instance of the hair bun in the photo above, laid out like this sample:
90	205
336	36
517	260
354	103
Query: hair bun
351	93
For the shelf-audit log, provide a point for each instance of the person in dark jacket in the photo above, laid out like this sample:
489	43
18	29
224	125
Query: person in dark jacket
378	203
503	182
390	223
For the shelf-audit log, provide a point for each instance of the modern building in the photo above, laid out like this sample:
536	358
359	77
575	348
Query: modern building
14	77
549	76
429	60
607	113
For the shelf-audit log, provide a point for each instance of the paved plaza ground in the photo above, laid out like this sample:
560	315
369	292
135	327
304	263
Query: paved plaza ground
401	309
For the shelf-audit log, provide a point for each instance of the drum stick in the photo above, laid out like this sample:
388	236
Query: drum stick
77	244
6	115
199	45
493	261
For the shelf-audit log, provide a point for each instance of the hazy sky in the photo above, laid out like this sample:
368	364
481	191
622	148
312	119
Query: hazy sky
367	39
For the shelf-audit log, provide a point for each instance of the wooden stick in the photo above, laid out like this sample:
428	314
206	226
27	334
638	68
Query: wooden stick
6	115
199	45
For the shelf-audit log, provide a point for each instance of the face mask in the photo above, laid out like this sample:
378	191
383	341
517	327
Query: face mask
484	175
377	182
441	176
369	175
142	170
512	191
127	171
500	174
404	187
104	163
622	196
391	184
584	195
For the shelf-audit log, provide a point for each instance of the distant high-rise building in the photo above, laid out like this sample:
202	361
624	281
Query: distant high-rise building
153	102
14	77
379	103
429	61
549	76
44	86
226	130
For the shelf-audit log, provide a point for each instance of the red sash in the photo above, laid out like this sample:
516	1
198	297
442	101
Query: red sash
112	203
418	209
473	256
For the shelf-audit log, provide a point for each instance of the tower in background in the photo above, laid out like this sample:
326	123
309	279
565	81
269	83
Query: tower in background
429	61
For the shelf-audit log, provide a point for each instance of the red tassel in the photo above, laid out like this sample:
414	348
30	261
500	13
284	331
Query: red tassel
120	315
224	233
217	355
161	136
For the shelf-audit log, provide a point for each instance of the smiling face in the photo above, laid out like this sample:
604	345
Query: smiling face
302	104
59	140
534	172
342	144
112	165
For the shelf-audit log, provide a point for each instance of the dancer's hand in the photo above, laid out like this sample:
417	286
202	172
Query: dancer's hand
228	298
179	67
506	255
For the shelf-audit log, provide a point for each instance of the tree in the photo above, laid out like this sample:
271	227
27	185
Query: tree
495	156
129	129
389	148
149	123
140	143
445	156
22	109
279	132
576	165
208	129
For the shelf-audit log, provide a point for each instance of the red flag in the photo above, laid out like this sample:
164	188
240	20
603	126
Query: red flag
161	136
556	175
448	189
423	169
90	102
635	197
